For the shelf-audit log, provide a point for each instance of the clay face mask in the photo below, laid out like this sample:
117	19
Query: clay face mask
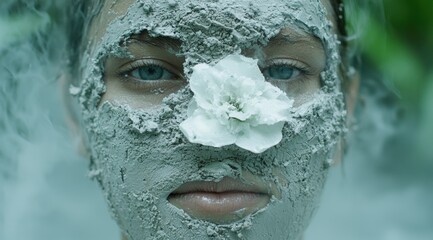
144	162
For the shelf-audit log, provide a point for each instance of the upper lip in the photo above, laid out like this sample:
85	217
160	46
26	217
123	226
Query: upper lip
227	184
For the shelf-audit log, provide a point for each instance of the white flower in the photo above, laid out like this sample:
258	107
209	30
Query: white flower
233	104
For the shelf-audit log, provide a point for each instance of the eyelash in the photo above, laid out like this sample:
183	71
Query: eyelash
303	69
125	72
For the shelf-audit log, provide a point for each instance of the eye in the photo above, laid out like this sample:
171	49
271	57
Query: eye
284	69
151	72
281	72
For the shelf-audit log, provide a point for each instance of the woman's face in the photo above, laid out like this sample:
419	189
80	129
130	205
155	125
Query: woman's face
135	92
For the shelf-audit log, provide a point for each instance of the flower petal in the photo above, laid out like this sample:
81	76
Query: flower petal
203	129
233	103
241	66
205	82
259	138
272	111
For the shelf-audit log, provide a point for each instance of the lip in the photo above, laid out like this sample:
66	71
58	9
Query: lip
220	202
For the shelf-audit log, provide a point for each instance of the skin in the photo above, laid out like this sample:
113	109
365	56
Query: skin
299	51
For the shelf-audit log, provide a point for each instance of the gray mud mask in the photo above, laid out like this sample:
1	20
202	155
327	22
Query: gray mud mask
140	156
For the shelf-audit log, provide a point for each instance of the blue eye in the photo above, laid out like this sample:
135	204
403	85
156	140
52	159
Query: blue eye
281	72
151	73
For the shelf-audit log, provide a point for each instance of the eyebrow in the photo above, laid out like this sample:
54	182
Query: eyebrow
281	38
287	38
161	42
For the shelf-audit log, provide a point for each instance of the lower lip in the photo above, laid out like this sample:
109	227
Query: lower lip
221	207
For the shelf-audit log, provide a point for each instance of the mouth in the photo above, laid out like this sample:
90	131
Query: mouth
220	202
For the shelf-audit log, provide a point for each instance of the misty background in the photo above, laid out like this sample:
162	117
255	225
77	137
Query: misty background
383	190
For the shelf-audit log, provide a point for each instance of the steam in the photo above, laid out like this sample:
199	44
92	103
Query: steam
34	140
362	199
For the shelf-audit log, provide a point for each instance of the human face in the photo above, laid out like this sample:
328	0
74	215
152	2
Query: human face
135	93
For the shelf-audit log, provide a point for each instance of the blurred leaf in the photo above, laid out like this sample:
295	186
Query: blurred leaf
426	125
394	60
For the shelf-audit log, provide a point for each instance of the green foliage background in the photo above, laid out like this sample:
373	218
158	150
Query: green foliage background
396	40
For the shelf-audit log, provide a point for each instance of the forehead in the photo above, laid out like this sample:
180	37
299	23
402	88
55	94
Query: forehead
114	9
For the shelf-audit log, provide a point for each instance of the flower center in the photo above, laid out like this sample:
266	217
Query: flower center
235	103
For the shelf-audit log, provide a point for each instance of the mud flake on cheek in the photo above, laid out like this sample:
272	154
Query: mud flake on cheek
143	124
141	207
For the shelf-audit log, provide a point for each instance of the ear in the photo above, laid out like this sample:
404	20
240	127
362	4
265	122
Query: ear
72	118
351	90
